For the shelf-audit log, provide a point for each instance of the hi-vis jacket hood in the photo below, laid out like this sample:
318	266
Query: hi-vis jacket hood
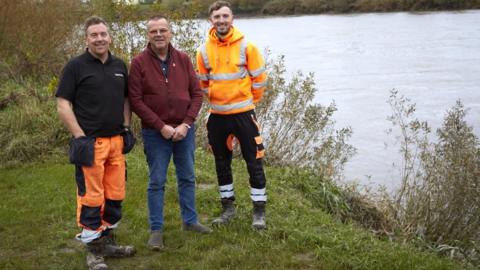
231	72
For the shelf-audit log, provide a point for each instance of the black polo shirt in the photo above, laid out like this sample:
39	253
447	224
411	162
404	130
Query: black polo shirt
97	92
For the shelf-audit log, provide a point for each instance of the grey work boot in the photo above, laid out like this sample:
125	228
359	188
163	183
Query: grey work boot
112	249
155	242
228	212
196	227
96	262
259	216
95	258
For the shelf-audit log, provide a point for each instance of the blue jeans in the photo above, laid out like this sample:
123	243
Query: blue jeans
158	152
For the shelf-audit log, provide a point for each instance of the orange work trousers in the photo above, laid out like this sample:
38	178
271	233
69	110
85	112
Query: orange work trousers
101	187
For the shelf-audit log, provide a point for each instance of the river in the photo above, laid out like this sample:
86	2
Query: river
432	58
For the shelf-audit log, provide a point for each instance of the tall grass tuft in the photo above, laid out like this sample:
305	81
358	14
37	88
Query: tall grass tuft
30	128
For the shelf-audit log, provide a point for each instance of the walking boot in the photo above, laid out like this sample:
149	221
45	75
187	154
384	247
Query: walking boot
155	242
196	227
258	222
95	258
112	249
228	212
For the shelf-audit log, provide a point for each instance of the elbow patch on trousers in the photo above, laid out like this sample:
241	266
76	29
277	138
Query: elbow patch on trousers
260	147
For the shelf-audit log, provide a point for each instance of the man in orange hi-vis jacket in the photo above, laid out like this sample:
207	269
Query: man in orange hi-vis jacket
232	74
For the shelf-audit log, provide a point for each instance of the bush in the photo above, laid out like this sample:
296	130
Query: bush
29	123
312	6
33	36
279	7
375	5
298	131
439	198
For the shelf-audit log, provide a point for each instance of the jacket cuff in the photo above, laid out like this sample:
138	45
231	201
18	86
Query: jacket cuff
188	120
159	124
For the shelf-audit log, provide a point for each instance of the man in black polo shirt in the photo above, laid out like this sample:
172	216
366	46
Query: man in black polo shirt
92	103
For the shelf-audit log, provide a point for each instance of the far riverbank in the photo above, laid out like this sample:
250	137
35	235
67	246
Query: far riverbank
243	8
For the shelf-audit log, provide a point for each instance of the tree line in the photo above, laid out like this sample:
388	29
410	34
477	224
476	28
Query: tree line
290	7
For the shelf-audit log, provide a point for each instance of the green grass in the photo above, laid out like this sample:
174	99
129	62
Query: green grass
37	226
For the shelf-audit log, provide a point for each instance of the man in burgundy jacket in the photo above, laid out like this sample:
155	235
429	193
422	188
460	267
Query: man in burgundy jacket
165	93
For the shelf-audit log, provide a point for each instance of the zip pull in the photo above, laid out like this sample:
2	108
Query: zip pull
166	80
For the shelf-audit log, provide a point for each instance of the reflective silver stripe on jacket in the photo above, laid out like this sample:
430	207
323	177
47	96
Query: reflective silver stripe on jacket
256	73
203	52
229	76
243	53
202	77
259	85
242	73
232	106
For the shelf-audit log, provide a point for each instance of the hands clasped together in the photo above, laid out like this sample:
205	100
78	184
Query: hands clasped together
175	134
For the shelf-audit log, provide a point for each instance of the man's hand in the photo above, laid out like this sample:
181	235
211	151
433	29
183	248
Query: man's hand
78	135
180	132
167	132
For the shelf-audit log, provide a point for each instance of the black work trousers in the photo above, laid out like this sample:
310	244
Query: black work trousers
244	127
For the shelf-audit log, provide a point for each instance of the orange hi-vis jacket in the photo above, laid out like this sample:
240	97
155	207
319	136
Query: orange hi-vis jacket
231	72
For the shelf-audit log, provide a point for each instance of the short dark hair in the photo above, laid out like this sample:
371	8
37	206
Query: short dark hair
93	20
158	17
218	5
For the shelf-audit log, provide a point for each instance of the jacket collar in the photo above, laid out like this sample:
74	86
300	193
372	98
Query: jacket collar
90	57
152	53
233	35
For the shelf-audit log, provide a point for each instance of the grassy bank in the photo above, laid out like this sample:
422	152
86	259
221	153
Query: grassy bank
37	226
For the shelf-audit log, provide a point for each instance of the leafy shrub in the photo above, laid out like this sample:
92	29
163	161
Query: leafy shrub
297	131
31	44
279	7
439	197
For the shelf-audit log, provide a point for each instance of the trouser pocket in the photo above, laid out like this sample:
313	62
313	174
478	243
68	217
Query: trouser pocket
81	151
128	141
